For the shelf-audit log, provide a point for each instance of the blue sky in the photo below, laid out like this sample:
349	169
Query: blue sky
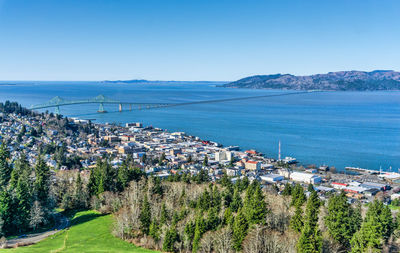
194	39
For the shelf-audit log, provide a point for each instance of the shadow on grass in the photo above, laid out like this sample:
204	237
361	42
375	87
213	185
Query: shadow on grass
85	218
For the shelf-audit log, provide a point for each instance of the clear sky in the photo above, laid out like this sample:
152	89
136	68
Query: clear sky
194	39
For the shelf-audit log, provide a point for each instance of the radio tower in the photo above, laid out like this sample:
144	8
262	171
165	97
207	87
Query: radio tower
279	154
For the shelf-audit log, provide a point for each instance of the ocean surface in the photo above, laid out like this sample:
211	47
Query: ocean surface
360	129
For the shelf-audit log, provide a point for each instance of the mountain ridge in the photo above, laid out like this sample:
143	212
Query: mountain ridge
340	81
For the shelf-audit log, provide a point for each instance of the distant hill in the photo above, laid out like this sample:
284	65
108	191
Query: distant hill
342	80
143	81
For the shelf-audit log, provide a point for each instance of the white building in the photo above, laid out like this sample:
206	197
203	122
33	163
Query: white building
305	177
223	156
272	178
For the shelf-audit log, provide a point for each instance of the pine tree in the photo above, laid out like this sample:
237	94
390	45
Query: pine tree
79	201
205	161
154	230
190	228
161	159
310	239
23	201
5	212
298	196
296	222
288	190
213	220
340	219
228	217
255	207
240	229
145	216
170	238
376	228
164	214
236	201
42	182
198	232
123	176
5	168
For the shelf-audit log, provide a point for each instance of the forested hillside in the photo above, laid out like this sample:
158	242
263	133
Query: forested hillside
339	81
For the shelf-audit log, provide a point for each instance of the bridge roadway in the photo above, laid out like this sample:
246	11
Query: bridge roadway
101	100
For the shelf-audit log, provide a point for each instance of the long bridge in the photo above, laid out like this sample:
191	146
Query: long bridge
101	100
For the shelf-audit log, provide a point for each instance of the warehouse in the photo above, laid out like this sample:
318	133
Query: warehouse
272	178
305	177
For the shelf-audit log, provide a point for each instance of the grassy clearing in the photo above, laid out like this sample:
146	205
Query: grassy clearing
89	232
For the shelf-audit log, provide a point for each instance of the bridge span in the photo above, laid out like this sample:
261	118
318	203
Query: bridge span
100	99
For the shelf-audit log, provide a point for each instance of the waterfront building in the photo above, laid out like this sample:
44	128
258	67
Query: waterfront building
305	178
272	178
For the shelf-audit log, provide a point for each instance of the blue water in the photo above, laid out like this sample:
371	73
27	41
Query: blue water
336	128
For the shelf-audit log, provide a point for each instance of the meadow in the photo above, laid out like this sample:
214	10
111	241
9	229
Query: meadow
89	232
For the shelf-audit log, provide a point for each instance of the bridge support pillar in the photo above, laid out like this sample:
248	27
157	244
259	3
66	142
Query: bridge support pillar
57	111
120	107
130	107
101	108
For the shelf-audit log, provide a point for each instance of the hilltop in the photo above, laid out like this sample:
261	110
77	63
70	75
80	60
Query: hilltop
339	81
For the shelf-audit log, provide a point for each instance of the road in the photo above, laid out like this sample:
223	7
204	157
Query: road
62	223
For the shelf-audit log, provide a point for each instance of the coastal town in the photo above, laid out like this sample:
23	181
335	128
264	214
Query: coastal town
163	154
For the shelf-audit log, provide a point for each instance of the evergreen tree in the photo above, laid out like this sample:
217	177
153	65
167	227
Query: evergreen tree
123	176
79	200
225	180
164	214
154	230
227	196
376	229
213	220
157	187
22	202
145	216
240	229
236	202
288	190
340	219
296	222
255	207
198	232
310	239
298	196
5	168
228	217
170	238
5	212
205	161
190	228
42	182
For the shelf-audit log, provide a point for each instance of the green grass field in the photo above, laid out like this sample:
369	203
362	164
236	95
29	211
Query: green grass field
89	232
